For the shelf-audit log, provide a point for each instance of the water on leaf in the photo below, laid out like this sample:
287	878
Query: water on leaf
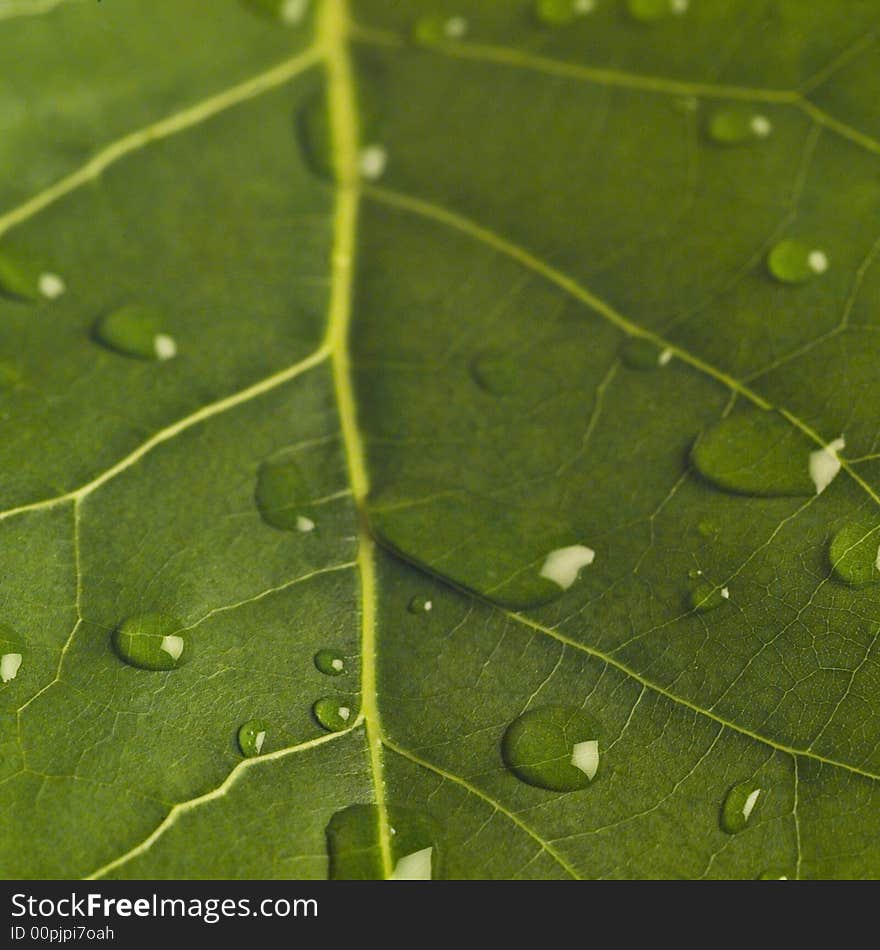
756	452
855	553
136	331
739	805
439	29
793	262
12	654
647	11
705	596
24	277
419	605
290	12
560	12
497	373
738	126
642	354
151	642
773	874
330	662
282	495
252	737
553	747
315	139
333	713
354	844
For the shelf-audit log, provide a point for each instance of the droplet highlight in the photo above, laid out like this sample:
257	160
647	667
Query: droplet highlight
252	737
151	642
553	747
330	662
136	331
738	127
649	11
51	286
11	654
372	162
854	553
560	12
739	805
282	495
793	262
825	465
333	713
563	566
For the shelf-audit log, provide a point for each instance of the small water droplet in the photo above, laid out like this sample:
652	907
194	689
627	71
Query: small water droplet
775	874
355	851
11	654
855	553
25	277
439	29
648	11
560	12
330	662
151	642
738	126
694	573
639	353
497	373
563	565
554	747
252	737
333	714
705	596
136	331
709	529
739	805
758	452
282	495
372	162
419	605
289	12
793	262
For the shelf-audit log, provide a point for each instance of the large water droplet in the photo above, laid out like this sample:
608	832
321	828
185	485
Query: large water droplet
497	373
705	596
739	804
554	747
330	662
420	605
738	126
282	495
647	11
855	553
560	12
355	852
151	642
136	331
25	277
439	29
333	713
290	12
756	452
12	654
793	262
252	737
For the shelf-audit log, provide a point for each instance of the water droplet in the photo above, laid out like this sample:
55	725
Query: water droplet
439	29
497	373
793	262
709	529
151	642
11	654
333	714
775	874
554	747
315	138
136	331
739	804
282	495
705	596
372	162
738	126
757	452
252	737
639	353
559	12
419	605
563	565
24	277
647	11
855	553
355	852
695	572
331	662
290	12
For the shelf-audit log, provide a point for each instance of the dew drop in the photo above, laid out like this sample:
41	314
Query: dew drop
497	373
24	277
439	29
694	573
553	747
420	605
355	851
738	126
51	286
774	874
332	713
639	353
560	12
739	804
330	662
252	737
793	262
136	331
758	452
282	495
705	596
855	553
290	12
372	162
563	565
648	11
11	654
151	642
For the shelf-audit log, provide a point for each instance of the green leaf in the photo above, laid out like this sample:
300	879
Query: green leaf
440	383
